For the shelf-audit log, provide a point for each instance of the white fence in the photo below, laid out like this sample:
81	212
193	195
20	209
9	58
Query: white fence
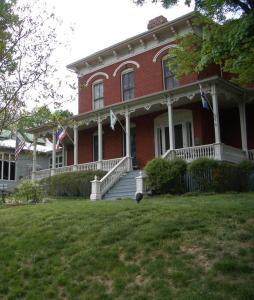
215	151
104	165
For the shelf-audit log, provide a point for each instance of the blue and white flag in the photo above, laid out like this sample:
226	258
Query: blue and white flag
205	101
113	119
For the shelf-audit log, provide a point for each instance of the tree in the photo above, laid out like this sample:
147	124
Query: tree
27	41
227	39
41	115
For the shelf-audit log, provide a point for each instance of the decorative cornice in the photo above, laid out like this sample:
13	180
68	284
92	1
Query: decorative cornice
95	75
162	50
133	62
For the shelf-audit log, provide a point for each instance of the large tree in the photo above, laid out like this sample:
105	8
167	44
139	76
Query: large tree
227	39
27	40
41	115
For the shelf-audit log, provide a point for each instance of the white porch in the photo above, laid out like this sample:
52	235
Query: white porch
166	141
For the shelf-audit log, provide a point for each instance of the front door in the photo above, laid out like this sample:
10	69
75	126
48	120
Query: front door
183	137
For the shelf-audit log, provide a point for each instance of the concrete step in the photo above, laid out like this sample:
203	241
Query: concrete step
125	187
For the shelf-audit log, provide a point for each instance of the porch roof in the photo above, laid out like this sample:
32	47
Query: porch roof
175	94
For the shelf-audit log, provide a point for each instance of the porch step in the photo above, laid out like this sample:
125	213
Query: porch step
125	188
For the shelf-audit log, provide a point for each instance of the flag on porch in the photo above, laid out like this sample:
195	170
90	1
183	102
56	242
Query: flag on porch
20	144
60	136
113	119
205	101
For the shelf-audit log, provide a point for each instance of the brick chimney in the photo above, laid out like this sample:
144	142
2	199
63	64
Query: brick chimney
156	22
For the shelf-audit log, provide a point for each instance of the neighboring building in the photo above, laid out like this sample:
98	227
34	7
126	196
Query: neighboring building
161	116
12	171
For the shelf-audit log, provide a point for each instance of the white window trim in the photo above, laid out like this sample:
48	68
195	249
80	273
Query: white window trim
57	163
180	116
163	73
123	73
9	167
94	83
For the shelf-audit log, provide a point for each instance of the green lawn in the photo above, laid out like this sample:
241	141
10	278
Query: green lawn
164	248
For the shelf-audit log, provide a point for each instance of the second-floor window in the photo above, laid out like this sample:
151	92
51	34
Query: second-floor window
128	85
169	79
98	95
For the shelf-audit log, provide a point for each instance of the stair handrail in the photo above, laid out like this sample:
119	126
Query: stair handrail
100	187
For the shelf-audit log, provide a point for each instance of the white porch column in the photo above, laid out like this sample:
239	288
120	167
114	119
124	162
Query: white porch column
127	134
242	114
216	117
171	125
100	142
34	157
63	155
75	158
128	139
53	153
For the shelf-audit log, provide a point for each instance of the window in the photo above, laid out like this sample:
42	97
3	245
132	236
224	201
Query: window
59	161
7	166
128	85
98	97
169	79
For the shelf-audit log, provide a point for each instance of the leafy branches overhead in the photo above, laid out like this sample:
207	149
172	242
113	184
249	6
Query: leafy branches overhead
227	39
28	37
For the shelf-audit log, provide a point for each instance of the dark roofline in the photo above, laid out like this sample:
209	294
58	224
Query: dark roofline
73	65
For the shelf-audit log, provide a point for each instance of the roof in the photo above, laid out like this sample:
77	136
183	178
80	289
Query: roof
10	135
11	144
145	34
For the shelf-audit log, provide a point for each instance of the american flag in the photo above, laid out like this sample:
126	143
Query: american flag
60	135
20	144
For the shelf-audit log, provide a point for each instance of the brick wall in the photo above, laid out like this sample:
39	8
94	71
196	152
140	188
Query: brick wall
148	79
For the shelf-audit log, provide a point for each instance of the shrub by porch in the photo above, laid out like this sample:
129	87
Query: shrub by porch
73	184
201	175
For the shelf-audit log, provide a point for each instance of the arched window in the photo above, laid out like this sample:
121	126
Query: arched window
127	82
168	76
98	94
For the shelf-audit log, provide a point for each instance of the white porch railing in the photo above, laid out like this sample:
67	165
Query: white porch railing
41	174
215	151
100	187
104	165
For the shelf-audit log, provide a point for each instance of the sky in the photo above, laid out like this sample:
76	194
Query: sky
98	24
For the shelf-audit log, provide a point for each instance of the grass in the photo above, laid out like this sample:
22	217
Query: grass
164	248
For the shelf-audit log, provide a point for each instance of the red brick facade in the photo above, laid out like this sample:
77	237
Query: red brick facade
148	79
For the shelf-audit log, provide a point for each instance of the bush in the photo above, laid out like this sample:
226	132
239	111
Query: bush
29	191
74	184
225	177
202	171
246	172
165	176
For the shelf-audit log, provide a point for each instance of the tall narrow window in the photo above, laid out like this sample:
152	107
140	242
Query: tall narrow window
128	85
169	79
98	95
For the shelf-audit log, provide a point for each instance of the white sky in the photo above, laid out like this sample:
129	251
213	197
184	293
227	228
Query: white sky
98	24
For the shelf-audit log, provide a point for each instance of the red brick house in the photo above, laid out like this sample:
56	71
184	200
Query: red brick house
160	116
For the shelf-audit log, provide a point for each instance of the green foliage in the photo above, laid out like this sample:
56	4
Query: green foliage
41	115
28	191
74	184
226	42
201	171
165	176
165	248
246	178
